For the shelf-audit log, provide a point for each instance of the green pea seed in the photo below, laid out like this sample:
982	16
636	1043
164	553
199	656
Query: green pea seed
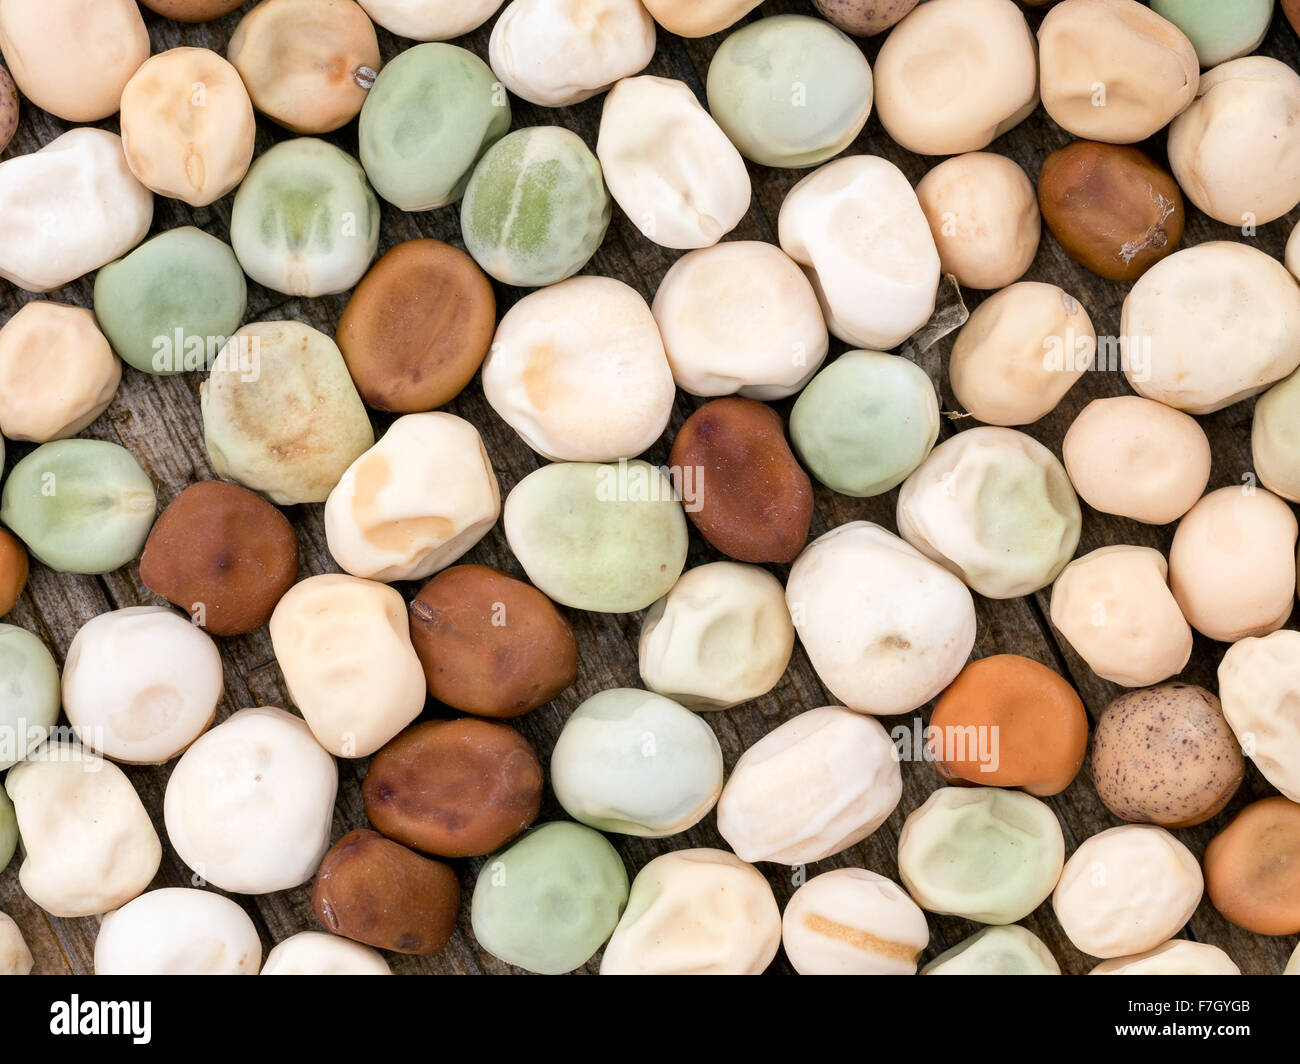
170	305
81	506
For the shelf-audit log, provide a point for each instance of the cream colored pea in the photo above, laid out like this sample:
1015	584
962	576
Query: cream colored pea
885	627
812	787
1178	957
90	846
187	125
344	647
414	502
68	209
1114	70
57	372
857	229
984	217
1259	683
1137	458
249	805
720	637
1115	608
559	52
178	931
1020	353
954	75
853	922
578	370
1127	890
695	912
1232	564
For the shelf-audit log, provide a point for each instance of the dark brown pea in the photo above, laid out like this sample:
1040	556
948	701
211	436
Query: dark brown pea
417	327
752	500
1291	8
1111	208
491	645
454	788
372	890
221	549
1165	755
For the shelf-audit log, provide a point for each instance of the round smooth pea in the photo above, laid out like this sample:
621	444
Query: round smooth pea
547	903
29	698
171	304
536	208
636	763
433	111
1219	31
790	90
81	506
605	538
865	422
305	221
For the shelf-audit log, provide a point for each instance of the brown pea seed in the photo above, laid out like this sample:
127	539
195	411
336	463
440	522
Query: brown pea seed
454	788
372	890
1110	207
1252	868
417	327
192	10
755	501
491	645
222	548
13	570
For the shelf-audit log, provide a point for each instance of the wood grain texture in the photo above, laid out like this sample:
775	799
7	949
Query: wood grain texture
157	419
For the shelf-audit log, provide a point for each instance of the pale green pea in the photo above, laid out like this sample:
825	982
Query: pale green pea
305	221
1219	29
1005	950
1275	438
606	538
281	414
81	506
790	90
29	698
536	208
170	304
431	114
636	763
548	902
865	422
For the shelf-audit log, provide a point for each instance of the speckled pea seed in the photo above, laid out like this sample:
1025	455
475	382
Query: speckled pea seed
8	108
1165	755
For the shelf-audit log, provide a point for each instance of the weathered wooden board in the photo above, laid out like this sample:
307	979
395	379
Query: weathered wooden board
157	419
